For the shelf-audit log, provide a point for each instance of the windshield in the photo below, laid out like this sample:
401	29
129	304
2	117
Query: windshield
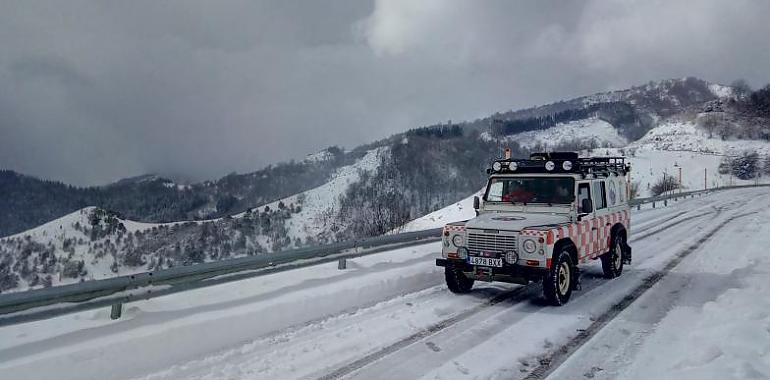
531	190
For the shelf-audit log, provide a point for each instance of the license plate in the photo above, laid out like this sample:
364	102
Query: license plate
486	261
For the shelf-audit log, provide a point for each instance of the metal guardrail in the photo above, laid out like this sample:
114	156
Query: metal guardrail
685	194
50	302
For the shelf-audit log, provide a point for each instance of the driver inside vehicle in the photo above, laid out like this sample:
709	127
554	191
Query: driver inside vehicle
519	191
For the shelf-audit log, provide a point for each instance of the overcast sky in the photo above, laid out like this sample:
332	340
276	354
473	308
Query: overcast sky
93	91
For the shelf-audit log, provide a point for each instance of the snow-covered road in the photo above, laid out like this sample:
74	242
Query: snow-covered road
389	316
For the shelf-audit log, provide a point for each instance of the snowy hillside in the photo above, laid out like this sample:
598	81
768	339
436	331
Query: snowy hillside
462	210
93	243
586	132
687	136
78	246
321	204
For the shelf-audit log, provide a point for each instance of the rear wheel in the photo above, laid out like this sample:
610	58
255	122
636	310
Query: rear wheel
612	261
558	283
456	280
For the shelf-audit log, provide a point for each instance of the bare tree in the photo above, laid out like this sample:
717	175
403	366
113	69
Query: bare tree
664	184
709	122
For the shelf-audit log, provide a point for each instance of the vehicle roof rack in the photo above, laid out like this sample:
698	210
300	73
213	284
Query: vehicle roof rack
561	162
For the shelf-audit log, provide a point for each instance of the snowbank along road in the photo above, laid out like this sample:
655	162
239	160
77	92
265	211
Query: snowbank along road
691	306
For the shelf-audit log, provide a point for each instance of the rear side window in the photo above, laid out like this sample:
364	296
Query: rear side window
600	191
584	192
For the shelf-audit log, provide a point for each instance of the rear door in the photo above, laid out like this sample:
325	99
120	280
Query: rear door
601	225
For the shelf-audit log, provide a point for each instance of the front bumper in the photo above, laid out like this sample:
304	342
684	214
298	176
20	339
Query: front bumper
517	274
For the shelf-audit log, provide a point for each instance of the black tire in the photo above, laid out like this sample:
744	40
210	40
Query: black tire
456	280
560	280
612	261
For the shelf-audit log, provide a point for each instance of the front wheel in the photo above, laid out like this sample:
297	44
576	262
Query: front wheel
612	261
456	280
558	283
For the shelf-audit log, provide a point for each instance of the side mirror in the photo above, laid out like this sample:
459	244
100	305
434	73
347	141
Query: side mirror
476	203
586	206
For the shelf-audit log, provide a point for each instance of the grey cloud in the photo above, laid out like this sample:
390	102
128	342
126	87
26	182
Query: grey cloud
94	91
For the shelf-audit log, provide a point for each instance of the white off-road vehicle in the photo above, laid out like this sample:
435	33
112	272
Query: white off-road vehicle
541	217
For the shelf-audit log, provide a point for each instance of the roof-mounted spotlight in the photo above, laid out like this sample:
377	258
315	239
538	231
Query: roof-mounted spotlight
550	166
512	166
496	166
566	165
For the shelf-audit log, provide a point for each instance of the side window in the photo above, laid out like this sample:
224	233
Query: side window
621	191
584	192
601	195
613	196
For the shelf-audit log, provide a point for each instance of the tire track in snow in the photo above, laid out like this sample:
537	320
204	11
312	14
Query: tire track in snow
515	295
551	362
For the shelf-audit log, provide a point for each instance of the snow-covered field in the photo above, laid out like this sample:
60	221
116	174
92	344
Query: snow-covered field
390	316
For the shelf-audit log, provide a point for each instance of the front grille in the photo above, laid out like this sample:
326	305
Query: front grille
490	243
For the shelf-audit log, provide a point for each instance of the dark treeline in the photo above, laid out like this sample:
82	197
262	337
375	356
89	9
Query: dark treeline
28	202
437	131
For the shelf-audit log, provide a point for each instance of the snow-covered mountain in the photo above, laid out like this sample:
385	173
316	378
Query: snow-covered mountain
418	179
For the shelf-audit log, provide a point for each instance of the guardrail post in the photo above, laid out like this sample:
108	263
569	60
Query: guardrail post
116	311
639	207
653	204
342	264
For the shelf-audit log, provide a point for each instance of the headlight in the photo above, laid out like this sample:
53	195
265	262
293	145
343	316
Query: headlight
529	246
549	165
567	165
457	240
512	166
497	166
462	252
511	257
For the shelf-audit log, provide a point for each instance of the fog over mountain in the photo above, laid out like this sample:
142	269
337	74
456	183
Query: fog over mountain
91	92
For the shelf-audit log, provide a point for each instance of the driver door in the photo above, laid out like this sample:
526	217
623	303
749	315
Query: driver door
586	228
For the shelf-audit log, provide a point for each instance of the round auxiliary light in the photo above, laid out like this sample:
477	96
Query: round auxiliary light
497	166
457	240
529	246
567	165
511	257
512	166
549	166
462	252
